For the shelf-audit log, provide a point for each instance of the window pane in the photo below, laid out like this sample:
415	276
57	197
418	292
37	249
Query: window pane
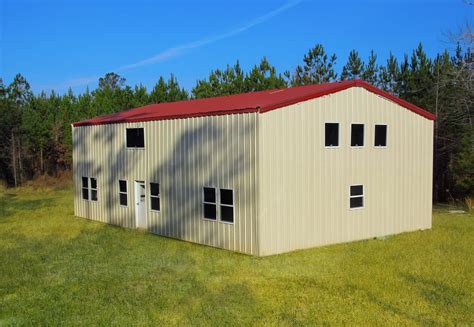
123	199
227	197
93	195
357	202
135	138
85	182
209	194
357	190
209	211
380	135
85	194
155	204
93	183
140	143
357	135
123	186
331	134
227	214
155	189
131	138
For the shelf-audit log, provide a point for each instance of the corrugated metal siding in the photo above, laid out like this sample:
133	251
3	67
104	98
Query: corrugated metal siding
304	187
183	155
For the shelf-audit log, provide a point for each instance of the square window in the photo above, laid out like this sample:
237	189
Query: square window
227	214
209	194
210	211
93	183
357	135
331	135
380	135
227	197
155	203
85	182
135	138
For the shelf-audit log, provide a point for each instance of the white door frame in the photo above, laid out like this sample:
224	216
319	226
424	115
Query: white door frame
140	205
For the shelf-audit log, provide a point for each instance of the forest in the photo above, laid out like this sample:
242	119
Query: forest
35	129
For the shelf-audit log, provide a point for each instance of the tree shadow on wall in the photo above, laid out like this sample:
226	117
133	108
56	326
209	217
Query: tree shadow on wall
197	152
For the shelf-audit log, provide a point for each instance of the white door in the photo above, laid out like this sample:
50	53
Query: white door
140	204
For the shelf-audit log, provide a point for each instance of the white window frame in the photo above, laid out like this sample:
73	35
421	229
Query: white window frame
155	196
96	189
207	202
126	192
386	136
357	196
144	138
219	216
338	135
363	136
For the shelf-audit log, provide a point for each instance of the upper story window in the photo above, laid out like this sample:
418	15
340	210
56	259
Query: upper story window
380	136
331	135
357	135
135	138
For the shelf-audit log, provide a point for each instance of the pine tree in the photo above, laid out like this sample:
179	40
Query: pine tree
354	68
371	71
318	68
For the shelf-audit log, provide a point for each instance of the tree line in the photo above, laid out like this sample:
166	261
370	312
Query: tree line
35	129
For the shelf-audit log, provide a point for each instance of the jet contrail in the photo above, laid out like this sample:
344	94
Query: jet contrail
181	49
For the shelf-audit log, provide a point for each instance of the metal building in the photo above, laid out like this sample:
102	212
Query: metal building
263	172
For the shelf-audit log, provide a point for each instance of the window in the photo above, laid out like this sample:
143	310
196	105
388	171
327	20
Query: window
135	138
227	205
380	136
357	135
85	188
331	135
89	188
93	189
225	201
356	198
123	193
210	203
155	196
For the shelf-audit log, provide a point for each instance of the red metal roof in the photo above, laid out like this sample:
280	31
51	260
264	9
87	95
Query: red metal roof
261	101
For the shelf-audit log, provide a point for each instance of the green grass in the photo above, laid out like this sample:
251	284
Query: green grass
59	269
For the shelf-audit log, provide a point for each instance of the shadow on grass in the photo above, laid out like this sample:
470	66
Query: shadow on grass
11	203
109	274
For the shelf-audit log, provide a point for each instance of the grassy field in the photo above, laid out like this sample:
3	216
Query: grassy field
59	269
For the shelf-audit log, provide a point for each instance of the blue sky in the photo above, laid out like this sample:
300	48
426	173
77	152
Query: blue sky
56	44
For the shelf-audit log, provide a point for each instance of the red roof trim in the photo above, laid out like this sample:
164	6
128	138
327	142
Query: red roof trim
167	117
260	102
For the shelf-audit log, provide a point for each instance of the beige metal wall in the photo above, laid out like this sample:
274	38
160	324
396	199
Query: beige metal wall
304	187
183	155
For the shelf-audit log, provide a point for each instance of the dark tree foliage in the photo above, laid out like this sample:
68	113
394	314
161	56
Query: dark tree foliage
318	68
35	132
